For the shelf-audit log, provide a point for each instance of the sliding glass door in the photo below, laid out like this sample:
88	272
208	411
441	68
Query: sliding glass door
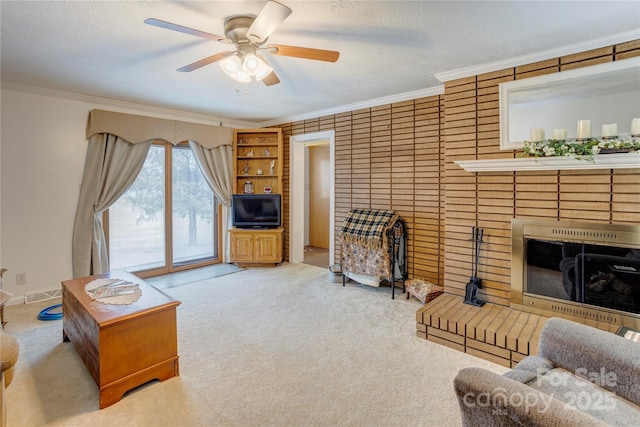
193	212
167	220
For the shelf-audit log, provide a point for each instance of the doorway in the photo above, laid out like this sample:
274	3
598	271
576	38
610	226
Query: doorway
299	179
317	212
316	249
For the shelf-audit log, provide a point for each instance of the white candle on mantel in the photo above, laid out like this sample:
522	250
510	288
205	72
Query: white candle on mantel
560	134
635	126
537	134
609	130
584	129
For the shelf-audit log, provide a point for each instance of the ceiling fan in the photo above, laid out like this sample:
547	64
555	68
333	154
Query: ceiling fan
249	33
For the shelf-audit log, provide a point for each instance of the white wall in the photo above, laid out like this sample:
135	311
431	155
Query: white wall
42	149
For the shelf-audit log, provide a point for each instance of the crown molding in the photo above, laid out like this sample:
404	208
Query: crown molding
421	93
159	112
437	90
538	56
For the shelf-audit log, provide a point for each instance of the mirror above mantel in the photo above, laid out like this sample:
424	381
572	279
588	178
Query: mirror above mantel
604	94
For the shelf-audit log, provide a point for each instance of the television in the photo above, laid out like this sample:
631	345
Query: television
256	210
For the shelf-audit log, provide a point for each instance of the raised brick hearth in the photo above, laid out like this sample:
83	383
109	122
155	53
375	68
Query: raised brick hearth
492	332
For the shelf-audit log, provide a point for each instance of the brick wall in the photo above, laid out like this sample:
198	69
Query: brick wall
401	156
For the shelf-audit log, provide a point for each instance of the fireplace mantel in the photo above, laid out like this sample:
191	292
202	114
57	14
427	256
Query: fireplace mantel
601	161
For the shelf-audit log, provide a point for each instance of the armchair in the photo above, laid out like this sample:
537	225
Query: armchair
9	350
581	376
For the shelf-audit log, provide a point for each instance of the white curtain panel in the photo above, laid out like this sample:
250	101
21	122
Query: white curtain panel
216	165
111	166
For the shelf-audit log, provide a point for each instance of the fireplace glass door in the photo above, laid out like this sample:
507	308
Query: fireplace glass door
598	275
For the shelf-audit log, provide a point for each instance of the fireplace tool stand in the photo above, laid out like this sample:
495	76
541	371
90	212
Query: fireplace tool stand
471	290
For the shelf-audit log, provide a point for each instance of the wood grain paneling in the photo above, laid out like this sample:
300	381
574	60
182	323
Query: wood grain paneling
490	200
391	157
401	156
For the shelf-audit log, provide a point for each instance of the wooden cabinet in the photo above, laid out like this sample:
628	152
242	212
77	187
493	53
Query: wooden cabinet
257	155
257	159
256	248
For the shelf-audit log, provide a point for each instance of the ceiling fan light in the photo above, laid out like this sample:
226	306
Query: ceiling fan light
233	68
230	65
241	76
252	64
264	71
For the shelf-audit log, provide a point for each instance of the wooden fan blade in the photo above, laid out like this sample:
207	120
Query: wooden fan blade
271	79
271	15
186	30
205	61
304	52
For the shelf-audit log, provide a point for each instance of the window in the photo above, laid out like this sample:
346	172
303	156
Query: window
167	220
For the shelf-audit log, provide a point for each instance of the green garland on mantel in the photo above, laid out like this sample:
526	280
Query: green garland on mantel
579	149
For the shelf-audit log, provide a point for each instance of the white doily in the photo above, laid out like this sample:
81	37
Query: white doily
113	291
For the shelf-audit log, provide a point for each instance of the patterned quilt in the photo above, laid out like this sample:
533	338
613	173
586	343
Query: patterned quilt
366	227
365	246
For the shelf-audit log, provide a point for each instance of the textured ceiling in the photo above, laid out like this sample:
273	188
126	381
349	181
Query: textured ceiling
103	48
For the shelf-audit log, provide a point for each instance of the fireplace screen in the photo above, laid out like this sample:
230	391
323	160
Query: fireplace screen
578	269
599	275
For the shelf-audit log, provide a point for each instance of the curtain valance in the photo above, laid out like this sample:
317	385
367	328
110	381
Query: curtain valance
136	129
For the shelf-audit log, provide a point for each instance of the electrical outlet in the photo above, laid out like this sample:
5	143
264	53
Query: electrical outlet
21	278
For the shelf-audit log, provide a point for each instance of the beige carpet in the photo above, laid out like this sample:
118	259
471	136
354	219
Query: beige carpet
261	347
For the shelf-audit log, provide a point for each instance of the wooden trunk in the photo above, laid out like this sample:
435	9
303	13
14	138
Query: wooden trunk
122	346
